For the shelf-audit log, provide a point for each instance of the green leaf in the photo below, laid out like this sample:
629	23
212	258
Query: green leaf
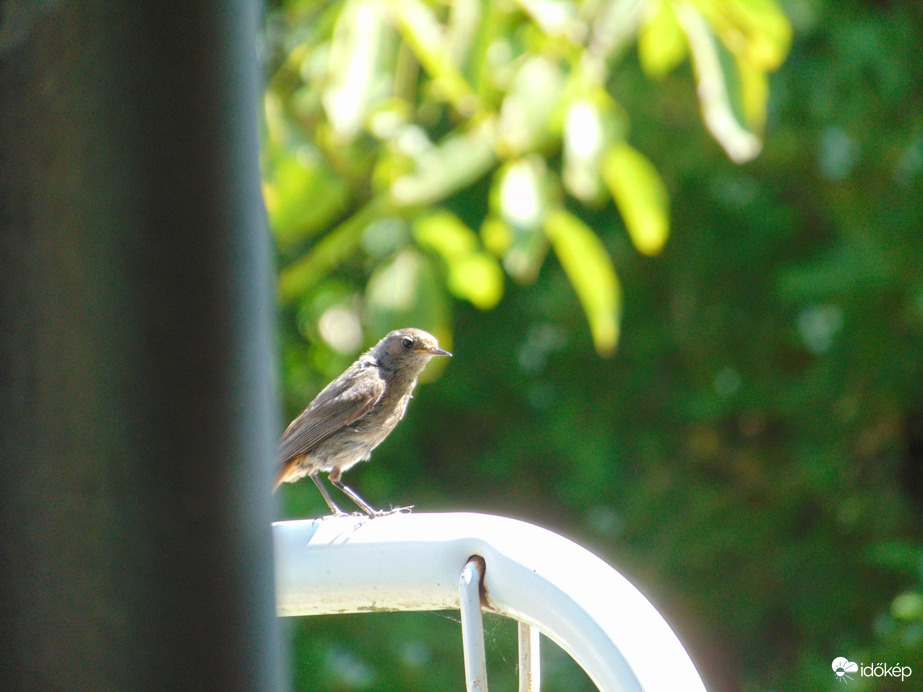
640	195
740	144
754	94
757	29
520	194
356	79
591	273
445	233
457	161
332	249
476	278
661	43
496	235
302	195
758	35
428	40
584	144
473	275
406	291
527	112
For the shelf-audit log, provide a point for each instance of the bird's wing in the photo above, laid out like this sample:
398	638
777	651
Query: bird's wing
343	402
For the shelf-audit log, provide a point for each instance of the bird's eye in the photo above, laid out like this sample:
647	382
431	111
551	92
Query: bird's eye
407	342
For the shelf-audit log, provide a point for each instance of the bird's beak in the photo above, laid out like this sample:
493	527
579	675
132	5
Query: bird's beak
433	351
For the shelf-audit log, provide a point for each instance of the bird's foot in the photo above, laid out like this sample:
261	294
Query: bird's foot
375	513
341	513
371	514
395	510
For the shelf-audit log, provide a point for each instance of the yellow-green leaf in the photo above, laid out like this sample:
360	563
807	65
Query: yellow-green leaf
591	273
473	275
333	248
355	79
641	197
477	278
406	290
527	111
755	28
496	235
458	160
445	233
740	144
427	38
661	43
584	143
302	196
754	94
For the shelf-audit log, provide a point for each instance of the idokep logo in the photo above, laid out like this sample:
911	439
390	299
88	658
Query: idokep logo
842	667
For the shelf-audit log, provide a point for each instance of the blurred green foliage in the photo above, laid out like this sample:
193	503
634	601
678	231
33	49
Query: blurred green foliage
752	454
380	112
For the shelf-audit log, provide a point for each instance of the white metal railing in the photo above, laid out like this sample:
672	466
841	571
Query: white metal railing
352	564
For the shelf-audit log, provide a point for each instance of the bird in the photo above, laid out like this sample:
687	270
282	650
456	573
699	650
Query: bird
355	413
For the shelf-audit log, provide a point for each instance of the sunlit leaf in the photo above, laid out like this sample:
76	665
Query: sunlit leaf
584	143
465	19
526	254
426	36
754	94
556	17
740	144
473	275
407	291
641	197
661	44
615	25
445	233
757	34
757	29
520	192
526	112
592	119
590	270
457	161
302	195
519	198
477	278
355	77
393	286
496	235
333	248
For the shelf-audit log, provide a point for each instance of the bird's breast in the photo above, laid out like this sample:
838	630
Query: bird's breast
386	413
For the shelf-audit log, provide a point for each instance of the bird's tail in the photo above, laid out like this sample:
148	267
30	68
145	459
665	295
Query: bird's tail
284	474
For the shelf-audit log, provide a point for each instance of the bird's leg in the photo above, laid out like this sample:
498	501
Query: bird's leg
334	478
323	491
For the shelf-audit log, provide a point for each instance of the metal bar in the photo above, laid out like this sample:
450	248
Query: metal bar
536	577
472	622
138	418
530	660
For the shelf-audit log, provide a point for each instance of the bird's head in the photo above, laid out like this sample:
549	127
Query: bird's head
407	350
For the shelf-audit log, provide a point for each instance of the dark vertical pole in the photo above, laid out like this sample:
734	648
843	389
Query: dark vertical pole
136	408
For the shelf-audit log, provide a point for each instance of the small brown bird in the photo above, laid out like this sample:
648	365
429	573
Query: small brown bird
355	413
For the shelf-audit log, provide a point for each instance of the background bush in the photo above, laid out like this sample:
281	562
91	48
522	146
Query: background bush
704	366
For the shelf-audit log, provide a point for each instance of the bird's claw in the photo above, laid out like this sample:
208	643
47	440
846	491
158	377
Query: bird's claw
362	514
382	512
395	510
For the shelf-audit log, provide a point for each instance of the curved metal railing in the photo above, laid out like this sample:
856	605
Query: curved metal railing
401	562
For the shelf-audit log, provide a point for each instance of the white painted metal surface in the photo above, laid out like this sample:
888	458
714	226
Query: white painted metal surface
413	562
472	622
530	662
